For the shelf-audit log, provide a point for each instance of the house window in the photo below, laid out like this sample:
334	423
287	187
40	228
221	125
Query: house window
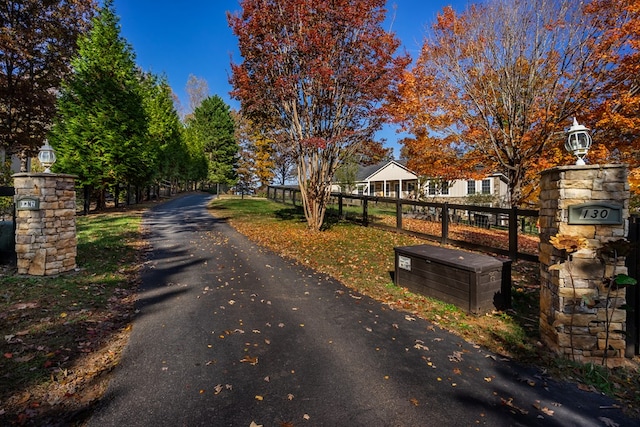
486	186
445	188
471	187
372	189
387	189
432	188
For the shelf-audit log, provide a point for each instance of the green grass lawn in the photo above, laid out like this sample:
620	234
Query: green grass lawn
54	327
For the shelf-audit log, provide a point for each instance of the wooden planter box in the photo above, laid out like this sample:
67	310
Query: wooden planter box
474	282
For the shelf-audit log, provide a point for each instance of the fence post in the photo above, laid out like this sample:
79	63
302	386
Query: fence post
365	213
340	205
293	196
513	233
284	194
633	296
398	214
445	223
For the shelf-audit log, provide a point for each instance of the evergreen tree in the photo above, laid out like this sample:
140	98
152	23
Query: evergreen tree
101	129
213	126
165	132
197	167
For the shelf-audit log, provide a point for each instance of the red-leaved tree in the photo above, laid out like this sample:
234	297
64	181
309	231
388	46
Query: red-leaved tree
499	83
37	41
318	73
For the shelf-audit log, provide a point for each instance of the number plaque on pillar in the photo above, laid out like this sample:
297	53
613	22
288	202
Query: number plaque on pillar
595	214
28	204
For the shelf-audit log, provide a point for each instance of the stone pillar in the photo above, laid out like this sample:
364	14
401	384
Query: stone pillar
575	306
45	223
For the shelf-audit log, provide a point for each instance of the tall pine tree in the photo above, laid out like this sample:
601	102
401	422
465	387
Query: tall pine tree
213	126
165	140
101	129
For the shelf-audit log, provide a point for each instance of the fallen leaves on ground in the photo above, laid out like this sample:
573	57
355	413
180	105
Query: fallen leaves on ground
543	409
509	402
66	334
250	360
491	237
363	259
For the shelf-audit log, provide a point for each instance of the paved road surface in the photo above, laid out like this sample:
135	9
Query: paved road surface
228	334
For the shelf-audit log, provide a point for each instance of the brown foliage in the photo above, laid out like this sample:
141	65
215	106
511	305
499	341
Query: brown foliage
617	118
37	41
497	84
316	73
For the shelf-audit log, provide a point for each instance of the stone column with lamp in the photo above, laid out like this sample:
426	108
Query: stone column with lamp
45	220
583	210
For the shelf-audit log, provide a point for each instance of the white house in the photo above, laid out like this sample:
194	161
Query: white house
386	179
494	187
393	179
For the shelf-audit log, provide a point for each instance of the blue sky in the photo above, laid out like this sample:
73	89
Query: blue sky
179	38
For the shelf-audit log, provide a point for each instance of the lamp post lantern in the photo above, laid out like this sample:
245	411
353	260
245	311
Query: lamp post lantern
47	156
578	141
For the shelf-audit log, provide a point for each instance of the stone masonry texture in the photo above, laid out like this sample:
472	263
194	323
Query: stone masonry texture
581	318
46	242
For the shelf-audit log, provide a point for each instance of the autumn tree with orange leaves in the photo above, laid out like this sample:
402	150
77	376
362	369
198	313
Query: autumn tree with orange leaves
256	153
316	72
497	85
617	117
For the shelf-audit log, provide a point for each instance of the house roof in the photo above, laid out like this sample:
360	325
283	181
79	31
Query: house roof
366	172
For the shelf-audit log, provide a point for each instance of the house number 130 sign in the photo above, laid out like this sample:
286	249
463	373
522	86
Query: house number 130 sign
595	214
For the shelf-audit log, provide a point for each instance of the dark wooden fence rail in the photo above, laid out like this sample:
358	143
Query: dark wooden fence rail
357	208
633	292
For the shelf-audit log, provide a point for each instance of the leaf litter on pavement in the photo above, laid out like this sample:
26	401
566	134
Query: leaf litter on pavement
362	258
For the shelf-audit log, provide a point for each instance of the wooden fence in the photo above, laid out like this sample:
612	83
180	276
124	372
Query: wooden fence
510	232
633	292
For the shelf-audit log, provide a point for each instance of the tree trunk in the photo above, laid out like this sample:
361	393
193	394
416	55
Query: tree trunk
315	190
86	206
116	196
101	200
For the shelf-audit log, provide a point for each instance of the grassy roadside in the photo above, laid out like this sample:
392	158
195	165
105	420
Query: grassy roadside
61	336
363	258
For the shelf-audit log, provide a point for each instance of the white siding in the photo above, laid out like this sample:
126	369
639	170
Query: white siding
392	172
459	188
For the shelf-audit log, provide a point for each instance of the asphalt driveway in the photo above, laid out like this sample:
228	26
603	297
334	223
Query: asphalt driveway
229	334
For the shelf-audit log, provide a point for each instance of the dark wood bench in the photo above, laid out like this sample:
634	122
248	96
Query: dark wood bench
476	283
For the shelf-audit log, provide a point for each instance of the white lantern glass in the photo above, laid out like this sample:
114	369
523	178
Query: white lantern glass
47	156
578	141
